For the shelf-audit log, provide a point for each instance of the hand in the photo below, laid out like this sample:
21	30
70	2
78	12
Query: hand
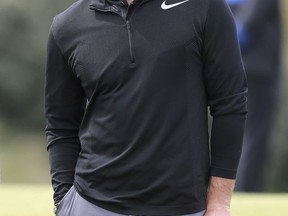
218	211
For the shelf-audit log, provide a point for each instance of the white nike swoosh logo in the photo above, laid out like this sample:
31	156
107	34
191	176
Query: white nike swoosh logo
165	7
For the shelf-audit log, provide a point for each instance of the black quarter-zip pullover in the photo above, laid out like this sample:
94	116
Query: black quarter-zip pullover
127	91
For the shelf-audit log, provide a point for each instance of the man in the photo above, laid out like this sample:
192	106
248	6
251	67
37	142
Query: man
127	90
259	32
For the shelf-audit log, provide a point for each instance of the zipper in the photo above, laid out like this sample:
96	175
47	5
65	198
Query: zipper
132	58
114	9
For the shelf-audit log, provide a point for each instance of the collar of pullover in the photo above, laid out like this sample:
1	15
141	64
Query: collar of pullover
104	4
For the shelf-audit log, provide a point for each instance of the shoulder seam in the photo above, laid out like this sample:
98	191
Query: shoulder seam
57	44
207	12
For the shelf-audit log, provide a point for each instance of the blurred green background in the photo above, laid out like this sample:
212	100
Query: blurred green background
24	27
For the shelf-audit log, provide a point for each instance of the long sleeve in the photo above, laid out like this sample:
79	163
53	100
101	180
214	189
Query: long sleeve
64	108
226	88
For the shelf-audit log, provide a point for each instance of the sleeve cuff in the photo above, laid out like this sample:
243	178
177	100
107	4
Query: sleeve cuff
223	172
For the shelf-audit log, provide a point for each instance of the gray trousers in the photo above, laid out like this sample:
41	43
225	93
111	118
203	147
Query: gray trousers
73	204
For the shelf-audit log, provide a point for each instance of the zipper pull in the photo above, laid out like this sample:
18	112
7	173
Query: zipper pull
128	24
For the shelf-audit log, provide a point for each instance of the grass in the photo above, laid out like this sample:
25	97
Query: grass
244	204
25	200
36	200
